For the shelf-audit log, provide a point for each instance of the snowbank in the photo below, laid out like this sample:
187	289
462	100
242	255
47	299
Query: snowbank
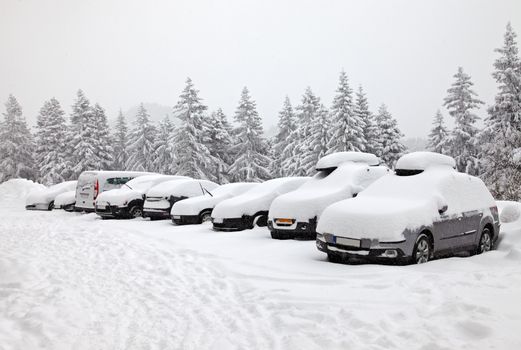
423	160
15	191
319	192
335	159
258	198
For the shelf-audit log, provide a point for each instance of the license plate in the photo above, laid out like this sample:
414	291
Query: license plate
348	242
103	207
177	217
218	220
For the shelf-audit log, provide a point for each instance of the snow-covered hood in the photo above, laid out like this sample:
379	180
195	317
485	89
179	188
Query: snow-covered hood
48	194
384	219
65	198
119	196
194	205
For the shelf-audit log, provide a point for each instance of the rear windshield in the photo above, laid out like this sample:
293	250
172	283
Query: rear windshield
86	179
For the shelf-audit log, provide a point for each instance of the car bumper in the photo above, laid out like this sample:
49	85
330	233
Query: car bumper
112	211
299	229
368	250
186	219
156	213
83	209
233	224
37	206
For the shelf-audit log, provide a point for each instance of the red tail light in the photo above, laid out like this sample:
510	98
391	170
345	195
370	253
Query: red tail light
96	189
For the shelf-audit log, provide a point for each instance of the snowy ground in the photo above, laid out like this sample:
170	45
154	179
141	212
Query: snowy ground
71	281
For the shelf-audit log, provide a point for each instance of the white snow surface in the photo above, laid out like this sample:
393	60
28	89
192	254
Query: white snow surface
181	187
65	198
423	160
310	199
259	198
395	203
45	195
335	159
72	281
193	206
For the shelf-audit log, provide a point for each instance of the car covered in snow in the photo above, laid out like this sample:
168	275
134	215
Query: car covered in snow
43	198
251	208
92	183
426	209
339	176
160	198
127	202
65	200
197	210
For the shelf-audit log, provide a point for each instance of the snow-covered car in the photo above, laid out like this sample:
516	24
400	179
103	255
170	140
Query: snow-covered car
426	209
161	198
65	201
127	202
92	183
251	208
43	199
339	176
197	210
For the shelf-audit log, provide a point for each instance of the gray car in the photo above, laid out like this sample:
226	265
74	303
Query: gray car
426	209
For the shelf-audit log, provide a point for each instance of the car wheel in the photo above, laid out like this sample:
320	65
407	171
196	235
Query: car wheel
422	250
206	216
136	212
51	206
485	242
261	220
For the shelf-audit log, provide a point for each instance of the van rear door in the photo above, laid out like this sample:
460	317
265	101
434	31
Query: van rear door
85	190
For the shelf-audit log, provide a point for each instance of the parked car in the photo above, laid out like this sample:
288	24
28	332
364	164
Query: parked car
43	199
65	201
339	176
427	209
197	210
92	183
161	198
127	202
251	208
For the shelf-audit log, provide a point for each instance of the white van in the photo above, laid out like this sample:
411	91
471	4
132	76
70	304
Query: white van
92	183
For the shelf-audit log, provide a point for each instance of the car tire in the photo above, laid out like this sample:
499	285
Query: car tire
334	258
205	216
136	212
260	220
422	251
485	241
51	206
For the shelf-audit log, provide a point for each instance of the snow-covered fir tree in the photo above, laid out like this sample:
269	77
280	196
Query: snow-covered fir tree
461	100
51	138
286	125
501	138
82	138
16	144
219	141
438	137
348	127
120	138
103	146
390	134
252	161
141	139
164	161
370	131
191	152
298	149
319	139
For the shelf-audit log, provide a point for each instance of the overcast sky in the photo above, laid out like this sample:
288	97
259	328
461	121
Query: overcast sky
120	53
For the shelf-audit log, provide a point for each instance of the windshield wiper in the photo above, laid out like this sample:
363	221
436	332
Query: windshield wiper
205	190
129	186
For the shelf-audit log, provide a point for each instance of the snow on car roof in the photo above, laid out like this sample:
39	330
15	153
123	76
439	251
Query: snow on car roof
181	186
423	160
335	159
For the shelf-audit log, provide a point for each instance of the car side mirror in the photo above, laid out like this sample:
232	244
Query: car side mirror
443	209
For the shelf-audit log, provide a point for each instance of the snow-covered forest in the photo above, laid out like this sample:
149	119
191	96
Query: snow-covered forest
205	143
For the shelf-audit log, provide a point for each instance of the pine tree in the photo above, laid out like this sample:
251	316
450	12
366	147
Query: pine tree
191	151
82	138
370	129
51	141
16	144
252	162
348	127
438	138
286	126
501	138
140	144
164	161
120	143
104	150
319	140
390	134
460	102
219	142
